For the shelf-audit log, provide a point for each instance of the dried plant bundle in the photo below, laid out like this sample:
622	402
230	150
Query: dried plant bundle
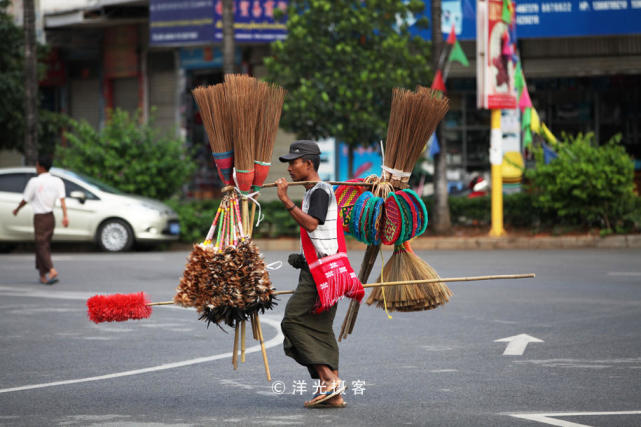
404	265
413	119
240	91
273	97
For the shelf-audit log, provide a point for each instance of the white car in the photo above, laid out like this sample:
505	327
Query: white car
97	212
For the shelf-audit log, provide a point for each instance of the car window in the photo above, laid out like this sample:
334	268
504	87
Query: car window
14	182
72	186
94	182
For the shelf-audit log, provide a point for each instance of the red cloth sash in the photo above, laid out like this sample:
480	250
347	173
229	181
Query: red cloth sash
333	274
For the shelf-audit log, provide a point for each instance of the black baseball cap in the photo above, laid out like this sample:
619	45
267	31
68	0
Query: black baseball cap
299	149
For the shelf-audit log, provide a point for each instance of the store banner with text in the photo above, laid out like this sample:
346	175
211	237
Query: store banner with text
542	18
191	22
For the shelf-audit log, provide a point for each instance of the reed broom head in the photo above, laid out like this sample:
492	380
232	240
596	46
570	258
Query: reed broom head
206	113
223	124
414	117
269	119
404	265
241	98
271	104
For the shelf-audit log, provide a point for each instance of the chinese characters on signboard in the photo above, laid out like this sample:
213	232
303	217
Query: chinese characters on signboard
174	22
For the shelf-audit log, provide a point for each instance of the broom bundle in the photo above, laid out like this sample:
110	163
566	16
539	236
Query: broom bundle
413	119
406	266
242	97
218	126
414	116
241	119
272	97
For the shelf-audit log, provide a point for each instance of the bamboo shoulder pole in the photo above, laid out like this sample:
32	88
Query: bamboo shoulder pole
273	184
441	280
352	311
408	282
262	347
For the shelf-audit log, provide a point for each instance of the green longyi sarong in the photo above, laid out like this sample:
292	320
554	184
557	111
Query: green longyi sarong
309	337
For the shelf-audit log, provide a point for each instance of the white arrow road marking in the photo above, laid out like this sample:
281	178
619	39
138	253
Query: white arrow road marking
551	420
517	344
275	323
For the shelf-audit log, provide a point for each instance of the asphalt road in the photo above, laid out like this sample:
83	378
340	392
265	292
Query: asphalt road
442	367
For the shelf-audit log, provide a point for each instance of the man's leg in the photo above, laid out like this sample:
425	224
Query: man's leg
43	227
329	378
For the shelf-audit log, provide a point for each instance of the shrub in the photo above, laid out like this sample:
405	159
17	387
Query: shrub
129	155
587	184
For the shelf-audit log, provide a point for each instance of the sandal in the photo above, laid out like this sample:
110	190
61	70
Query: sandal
318	398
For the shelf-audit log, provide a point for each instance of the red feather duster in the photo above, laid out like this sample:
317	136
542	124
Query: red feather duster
118	307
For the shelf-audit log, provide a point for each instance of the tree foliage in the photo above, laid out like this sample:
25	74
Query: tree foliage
133	157
11	81
587	184
340	62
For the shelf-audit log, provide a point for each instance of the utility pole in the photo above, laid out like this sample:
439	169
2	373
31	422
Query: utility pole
441	215
30	84
228	36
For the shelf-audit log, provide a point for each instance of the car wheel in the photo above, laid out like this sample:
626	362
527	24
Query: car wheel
115	235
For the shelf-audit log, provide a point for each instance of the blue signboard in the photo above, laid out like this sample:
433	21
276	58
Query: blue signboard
545	18
178	22
183	22
253	20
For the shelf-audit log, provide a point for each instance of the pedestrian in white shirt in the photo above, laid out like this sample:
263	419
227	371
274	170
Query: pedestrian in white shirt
42	192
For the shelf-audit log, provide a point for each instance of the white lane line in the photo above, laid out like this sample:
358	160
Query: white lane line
549	418
275	323
624	273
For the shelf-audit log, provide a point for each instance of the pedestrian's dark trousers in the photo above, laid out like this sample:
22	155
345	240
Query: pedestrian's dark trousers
309	337
43	225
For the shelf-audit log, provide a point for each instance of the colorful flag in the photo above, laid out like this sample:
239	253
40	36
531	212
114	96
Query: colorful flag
457	54
451	38
525	100
438	83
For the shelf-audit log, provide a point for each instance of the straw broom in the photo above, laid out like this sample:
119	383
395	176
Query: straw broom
420	112
218	126
241	99
272	97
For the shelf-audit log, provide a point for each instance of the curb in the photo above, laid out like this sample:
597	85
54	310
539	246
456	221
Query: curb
626	241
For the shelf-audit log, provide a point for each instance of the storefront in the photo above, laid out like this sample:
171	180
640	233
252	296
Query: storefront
582	64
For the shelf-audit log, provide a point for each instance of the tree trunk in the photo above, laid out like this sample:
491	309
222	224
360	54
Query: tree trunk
30	84
441	222
228	36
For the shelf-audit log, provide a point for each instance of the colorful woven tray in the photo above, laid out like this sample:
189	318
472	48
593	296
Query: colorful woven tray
415	225
346	195
421	210
357	211
409	216
393	225
374	235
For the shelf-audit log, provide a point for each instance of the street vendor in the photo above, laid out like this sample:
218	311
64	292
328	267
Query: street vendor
309	337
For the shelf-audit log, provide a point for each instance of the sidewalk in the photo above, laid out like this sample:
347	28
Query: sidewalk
624	241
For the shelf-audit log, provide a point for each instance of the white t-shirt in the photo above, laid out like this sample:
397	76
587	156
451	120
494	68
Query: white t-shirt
42	192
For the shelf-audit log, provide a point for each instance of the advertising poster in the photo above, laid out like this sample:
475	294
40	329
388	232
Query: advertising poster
495	70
